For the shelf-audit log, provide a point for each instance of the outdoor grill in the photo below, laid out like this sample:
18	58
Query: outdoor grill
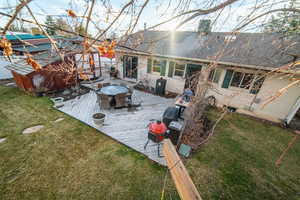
156	133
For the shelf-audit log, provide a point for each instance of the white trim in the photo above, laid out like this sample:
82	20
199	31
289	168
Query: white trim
292	111
184	71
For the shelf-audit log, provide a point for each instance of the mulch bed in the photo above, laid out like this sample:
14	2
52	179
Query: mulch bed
73	93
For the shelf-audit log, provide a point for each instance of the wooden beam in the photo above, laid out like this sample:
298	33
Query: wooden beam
183	182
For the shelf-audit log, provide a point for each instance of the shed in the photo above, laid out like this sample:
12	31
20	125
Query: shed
49	78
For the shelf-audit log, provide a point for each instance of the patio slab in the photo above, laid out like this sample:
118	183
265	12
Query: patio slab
128	128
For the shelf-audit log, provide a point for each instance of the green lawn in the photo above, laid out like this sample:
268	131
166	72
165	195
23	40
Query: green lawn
69	160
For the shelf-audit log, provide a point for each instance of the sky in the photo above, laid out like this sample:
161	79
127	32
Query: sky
156	11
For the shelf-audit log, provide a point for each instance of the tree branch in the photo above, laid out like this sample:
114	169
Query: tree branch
13	17
266	13
197	12
45	32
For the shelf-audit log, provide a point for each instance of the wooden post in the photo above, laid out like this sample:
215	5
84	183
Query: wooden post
184	184
99	59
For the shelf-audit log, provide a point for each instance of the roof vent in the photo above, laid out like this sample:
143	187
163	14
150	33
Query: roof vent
204	26
230	38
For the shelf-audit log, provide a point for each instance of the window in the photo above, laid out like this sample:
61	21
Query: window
156	67
247	80
230	38
242	80
179	70
214	75
259	80
176	69
236	79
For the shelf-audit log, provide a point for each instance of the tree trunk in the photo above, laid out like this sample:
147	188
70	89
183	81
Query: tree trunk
195	130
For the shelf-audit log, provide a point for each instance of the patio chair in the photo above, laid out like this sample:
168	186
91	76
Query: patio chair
105	84
104	102
120	100
99	86
113	73
123	84
129	93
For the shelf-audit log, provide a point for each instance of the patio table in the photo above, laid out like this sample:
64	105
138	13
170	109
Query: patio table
113	90
182	106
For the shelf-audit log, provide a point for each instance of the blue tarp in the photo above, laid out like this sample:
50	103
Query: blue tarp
24	37
35	48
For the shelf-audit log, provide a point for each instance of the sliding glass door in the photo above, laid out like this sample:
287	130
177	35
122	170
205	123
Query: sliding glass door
130	67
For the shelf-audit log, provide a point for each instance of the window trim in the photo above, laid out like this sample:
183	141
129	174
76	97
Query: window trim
184	71
152	66
241	81
243	74
214	75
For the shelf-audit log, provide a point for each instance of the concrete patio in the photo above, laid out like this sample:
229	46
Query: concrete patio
127	127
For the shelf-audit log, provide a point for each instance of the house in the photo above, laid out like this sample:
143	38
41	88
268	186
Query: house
242	79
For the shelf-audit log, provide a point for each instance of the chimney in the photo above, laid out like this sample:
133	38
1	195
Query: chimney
204	26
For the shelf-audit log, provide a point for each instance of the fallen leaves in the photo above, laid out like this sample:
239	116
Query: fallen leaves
6	45
71	13
107	49
30	61
82	75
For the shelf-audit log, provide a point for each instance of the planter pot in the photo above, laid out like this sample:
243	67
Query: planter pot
99	118
58	102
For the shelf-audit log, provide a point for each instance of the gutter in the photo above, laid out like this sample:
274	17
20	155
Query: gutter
203	60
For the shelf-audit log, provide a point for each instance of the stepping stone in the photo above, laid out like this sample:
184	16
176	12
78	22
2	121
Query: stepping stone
32	129
66	92
2	140
59	119
10	84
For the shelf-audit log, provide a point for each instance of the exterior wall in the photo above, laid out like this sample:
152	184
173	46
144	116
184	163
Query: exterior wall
23	82
235	97
281	106
175	85
232	96
252	104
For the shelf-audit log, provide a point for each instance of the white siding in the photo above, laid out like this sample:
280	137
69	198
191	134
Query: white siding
175	85
242	99
282	105
235	97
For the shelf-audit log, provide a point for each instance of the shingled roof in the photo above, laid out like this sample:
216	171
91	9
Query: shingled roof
256	49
